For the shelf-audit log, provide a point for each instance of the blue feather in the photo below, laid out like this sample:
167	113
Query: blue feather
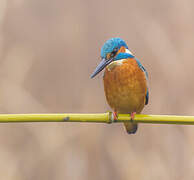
123	56
112	43
146	73
147	97
141	67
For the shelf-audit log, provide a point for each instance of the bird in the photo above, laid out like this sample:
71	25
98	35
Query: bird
125	81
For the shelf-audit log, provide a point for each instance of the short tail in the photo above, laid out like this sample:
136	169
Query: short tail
131	128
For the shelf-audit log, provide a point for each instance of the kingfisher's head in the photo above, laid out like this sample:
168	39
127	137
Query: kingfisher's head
113	50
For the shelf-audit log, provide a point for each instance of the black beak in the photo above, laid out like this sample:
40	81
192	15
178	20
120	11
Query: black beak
101	66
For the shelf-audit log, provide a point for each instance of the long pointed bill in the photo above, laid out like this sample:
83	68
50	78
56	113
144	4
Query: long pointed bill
101	66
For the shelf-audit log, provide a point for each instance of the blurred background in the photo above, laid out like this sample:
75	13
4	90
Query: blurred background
48	50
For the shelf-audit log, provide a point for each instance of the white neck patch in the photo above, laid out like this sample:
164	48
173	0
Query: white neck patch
127	51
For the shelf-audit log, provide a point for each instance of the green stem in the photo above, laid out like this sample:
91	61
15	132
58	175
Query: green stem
96	118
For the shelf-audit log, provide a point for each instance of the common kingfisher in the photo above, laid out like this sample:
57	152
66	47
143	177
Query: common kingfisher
125	80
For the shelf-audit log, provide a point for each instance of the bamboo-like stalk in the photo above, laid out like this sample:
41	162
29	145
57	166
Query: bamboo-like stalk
96	118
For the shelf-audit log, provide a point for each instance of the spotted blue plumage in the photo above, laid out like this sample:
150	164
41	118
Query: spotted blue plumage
112	43
146	73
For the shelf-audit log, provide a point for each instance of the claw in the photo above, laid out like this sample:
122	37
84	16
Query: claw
133	116
115	116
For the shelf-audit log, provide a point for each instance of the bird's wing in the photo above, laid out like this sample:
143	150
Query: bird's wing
146	74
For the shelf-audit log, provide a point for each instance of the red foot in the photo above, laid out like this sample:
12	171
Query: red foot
115	115
133	116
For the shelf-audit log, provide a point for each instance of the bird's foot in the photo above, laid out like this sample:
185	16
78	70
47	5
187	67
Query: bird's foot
133	116
115	115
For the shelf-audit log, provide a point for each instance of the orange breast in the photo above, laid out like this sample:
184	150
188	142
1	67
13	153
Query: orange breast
125	87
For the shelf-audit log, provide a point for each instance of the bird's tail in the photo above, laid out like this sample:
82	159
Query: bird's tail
131	128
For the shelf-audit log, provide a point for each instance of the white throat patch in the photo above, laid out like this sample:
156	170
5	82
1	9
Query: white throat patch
118	62
114	64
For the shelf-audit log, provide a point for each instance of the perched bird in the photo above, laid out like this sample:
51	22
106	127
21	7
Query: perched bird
125	80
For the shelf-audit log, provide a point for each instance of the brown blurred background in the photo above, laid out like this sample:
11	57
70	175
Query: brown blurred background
48	49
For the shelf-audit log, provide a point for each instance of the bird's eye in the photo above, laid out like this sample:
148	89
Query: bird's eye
114	52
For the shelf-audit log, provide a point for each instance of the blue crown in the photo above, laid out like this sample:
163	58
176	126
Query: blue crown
111	44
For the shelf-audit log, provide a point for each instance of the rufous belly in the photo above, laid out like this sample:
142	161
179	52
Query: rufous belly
125	86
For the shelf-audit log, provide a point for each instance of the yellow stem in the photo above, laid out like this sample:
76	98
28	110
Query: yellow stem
96	118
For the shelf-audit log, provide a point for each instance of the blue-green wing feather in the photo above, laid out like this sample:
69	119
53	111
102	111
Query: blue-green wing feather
147	98
146	73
